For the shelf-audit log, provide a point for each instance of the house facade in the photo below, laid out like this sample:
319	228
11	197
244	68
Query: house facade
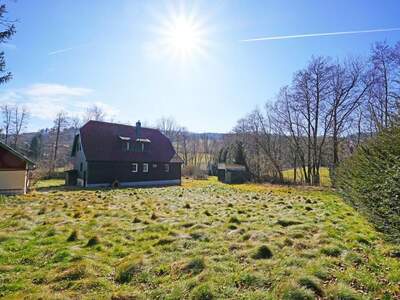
14	171
112	155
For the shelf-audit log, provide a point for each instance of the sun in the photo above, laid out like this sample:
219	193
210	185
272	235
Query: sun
182	36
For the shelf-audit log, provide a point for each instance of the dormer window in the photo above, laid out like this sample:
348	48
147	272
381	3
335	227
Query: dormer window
125	142
138	145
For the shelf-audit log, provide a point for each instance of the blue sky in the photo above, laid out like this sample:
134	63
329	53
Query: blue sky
67	55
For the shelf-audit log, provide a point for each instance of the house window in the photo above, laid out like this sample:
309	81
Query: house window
134	168
166	168
81	167
138	147
145	168
154	166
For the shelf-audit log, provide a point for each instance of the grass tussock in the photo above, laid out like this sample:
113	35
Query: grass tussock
74	272
93	241
248	241
202	292
73	236
262	252
127	270
194	266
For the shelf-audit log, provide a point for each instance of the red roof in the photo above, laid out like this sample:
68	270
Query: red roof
12	159
101	142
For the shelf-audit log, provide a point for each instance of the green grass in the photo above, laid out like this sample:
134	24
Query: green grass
324	173
203	240
49	183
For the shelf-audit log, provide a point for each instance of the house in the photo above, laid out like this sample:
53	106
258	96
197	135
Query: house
232	173
14	171
113	155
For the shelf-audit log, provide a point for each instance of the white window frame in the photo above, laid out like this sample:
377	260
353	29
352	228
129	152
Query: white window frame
145	168
166	168
134	168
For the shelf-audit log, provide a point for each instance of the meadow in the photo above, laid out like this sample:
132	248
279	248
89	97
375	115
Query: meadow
324	176
201	240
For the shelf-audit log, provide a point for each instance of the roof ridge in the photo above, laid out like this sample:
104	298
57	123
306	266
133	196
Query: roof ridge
117	124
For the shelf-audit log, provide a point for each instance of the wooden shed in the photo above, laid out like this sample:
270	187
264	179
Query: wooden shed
232	173
14	171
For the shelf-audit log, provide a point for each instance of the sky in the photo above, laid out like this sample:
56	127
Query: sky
143	60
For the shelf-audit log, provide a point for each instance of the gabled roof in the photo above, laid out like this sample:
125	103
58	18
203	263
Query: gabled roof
17	154
101	141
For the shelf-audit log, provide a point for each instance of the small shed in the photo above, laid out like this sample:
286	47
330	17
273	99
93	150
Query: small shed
232	173
71	177
14	171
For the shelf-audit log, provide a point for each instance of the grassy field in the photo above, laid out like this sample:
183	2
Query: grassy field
324	174
203	240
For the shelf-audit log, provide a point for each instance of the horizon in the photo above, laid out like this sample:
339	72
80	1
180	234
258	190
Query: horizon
206	64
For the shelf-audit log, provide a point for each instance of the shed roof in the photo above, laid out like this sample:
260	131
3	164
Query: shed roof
17	154
231	167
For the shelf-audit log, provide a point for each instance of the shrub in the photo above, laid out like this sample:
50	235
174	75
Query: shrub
369	180
262	252
195	172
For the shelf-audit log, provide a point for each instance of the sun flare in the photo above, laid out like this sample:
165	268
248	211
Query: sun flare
183	36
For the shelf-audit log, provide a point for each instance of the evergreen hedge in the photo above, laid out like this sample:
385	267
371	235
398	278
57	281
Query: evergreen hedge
370	180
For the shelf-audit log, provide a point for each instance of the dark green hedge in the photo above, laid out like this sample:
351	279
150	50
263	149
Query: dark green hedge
370	181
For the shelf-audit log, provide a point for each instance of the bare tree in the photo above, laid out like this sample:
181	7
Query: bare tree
60	122
184	144
75	122
349	87
6	111
19	121
171	129
384	92
94	113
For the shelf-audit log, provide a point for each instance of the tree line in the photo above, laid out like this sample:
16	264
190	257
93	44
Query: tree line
329	108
